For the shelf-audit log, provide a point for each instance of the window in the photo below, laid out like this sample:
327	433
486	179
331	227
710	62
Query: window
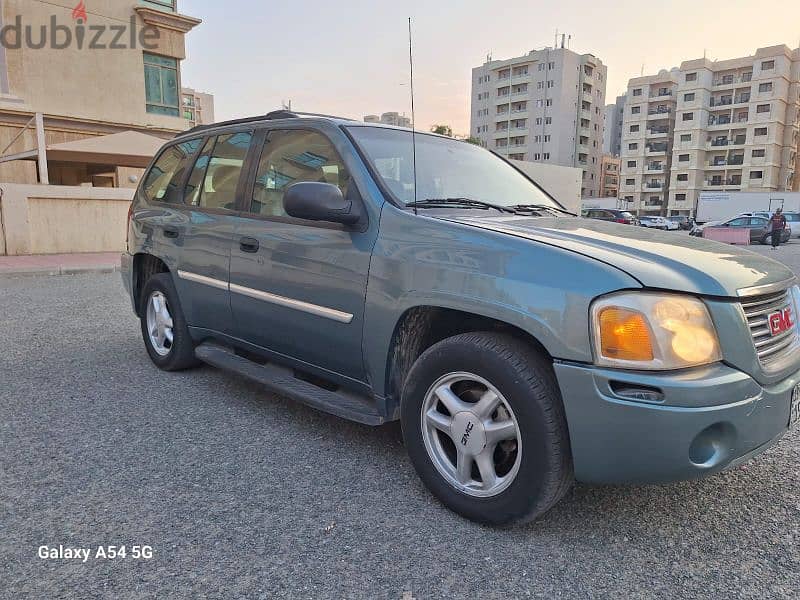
765	87
548	102
688	97
633	146
756	174
630	182
637	92
546	156
688	116
759	153
548	120
683	177
540	103
215	176
551	66
551	83
691	77
631	164
635	110
767	65
680	197
161	85
165	5
163	180
294	156
634	128
547	138
538	120
760	131
683	158
686	137
762	108
540	67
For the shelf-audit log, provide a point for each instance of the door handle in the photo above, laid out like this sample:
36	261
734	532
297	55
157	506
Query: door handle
171	232
248	244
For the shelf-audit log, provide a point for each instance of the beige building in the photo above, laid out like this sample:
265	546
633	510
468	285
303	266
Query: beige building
198	107
546	106
123	74
646	144
389	118
729	125
609	176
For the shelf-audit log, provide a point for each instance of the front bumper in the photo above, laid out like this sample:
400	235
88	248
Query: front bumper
709	419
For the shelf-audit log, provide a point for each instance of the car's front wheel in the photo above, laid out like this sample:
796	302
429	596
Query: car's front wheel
484	426
164	330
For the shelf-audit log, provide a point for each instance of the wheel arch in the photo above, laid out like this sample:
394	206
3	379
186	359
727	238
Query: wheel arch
144	267
420	327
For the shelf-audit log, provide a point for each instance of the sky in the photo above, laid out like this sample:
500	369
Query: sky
350	58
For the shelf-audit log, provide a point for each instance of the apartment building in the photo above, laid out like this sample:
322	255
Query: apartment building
612	132
546	106
737	126
729	125
646	142
88	82
198	107
609	176
389	118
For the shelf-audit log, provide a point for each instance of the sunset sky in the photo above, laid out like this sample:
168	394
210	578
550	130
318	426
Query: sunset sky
351	58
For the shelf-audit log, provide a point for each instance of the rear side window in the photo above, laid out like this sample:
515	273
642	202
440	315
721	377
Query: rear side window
164	178
290	157
216	173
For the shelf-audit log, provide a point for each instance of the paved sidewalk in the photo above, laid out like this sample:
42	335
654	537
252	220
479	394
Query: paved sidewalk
60	264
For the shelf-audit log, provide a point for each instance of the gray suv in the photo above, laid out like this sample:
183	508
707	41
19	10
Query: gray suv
380	276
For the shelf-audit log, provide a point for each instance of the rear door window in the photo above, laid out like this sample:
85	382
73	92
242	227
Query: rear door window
163	180
215	176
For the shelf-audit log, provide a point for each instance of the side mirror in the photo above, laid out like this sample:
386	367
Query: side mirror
320	202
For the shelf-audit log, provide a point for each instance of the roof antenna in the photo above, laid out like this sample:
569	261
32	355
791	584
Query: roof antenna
413	122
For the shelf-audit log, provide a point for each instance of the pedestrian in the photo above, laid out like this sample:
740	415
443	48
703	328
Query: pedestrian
777	225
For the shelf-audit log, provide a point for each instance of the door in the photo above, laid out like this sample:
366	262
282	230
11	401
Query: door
758	229
298	287
210	203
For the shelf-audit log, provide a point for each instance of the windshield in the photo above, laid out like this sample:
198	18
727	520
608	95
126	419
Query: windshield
446	168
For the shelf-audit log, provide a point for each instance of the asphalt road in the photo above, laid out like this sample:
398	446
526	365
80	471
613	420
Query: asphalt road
243	494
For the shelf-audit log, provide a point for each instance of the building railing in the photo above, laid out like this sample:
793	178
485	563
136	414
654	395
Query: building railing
658	130
661	110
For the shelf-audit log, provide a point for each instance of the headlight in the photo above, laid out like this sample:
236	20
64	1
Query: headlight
652	331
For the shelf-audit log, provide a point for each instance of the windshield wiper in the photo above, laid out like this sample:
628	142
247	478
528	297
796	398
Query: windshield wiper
461	202
523	207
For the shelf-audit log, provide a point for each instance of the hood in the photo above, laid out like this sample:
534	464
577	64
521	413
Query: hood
657	259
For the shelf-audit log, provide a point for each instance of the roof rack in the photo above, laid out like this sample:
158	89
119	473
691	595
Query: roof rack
270	116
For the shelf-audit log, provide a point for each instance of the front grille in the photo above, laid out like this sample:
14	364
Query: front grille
771	348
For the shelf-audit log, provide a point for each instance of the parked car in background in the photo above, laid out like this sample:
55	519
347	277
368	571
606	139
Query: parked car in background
611	215
684	222
759	229
520	347
793	220
658	223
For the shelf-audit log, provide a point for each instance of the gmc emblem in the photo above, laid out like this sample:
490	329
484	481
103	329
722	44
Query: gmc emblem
781	321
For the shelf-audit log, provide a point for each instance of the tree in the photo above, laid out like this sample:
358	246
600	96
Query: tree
442	130
473	140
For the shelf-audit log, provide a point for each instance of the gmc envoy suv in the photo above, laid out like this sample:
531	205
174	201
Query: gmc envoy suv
380	275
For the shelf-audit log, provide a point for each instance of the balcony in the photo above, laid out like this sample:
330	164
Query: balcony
652	149
722	120
587	97
518	130
661	110
655	167
722	181
661	93
727	80
521	76
654	185
584	131
657	132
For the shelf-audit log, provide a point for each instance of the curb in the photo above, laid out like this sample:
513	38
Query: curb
56	271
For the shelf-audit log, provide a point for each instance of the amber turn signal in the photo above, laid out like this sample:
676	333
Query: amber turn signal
625	335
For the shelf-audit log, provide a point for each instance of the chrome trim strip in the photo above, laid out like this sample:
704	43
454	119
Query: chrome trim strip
215	283
770	288
314	309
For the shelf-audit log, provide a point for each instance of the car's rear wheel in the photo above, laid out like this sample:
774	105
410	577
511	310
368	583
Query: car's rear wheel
485	429
164	330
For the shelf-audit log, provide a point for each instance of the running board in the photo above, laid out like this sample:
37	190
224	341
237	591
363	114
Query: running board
281	380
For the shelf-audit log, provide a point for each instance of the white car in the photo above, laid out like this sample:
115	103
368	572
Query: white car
659	223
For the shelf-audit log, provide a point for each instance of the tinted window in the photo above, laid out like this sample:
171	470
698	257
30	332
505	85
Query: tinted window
291	157
215	176
792	218
758	222
739	222
162	181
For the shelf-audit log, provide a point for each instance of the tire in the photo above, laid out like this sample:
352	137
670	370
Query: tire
177	354
542	462
766	240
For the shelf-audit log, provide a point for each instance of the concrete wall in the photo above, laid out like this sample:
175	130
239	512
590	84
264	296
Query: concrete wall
41	219
563	183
